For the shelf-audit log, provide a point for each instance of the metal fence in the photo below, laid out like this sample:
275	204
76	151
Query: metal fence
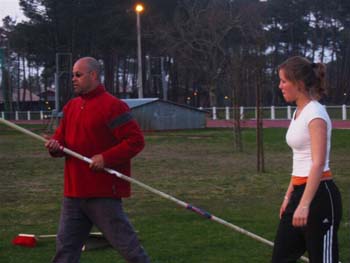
215	113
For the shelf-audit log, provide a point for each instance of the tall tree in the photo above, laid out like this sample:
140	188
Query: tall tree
195	37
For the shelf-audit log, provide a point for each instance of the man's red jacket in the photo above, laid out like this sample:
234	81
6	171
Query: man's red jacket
98	123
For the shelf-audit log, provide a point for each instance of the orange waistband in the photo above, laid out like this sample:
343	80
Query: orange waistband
298	180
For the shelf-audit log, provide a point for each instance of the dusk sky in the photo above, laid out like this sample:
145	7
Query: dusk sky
11	8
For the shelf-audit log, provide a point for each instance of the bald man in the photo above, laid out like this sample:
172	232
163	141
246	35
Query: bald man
99	126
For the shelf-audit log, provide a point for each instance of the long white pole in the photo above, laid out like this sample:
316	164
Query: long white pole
151	189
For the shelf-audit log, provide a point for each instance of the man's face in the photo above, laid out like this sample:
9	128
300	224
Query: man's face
82	78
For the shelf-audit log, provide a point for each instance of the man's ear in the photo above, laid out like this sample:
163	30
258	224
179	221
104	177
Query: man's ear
94	75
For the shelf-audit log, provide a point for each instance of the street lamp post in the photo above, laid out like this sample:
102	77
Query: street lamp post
139	8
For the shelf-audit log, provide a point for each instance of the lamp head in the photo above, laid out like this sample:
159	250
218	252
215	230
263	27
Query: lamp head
139	8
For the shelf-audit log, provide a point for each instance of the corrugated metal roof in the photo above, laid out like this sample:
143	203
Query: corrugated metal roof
132	103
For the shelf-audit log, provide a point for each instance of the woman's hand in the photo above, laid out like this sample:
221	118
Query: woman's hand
300	216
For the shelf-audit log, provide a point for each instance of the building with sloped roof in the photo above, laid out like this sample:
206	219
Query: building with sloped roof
154	114
24	96
22	99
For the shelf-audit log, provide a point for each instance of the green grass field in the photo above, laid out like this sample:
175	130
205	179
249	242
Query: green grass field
198	166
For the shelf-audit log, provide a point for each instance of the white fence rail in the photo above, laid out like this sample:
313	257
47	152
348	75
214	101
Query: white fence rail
25	115
272	112
215	113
